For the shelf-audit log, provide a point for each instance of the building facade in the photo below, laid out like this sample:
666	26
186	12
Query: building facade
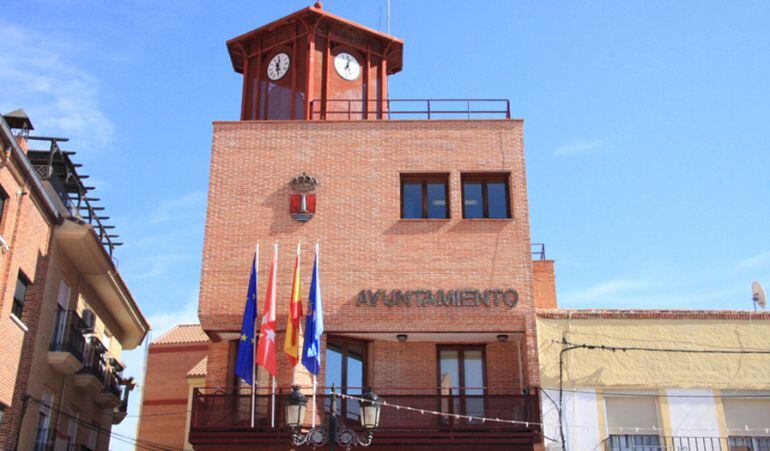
428	281
67	314
176	364
651	379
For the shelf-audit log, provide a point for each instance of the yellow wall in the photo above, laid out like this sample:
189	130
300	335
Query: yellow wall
635	369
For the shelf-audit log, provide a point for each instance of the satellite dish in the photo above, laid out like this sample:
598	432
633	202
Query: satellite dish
758	295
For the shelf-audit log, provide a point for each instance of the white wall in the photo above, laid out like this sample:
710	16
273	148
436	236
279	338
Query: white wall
581	422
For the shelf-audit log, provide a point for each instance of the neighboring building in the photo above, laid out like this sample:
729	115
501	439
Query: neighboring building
426	269
701	380
176	364
66	313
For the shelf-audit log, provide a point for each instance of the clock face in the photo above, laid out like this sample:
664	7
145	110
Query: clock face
278	66
347	66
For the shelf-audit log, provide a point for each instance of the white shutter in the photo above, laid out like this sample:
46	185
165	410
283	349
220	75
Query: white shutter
632	415
64	295
747	417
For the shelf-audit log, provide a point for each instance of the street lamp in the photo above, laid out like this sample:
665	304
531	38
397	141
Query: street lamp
334	432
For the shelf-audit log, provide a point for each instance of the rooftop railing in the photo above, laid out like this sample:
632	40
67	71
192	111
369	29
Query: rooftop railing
55	166
420	109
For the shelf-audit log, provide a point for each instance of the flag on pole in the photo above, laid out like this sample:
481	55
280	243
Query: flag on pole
244	366
314	325
291	341
266	346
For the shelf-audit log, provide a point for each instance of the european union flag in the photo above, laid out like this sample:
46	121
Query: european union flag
244	365
314	325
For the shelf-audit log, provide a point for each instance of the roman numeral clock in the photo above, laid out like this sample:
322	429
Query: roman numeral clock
313	65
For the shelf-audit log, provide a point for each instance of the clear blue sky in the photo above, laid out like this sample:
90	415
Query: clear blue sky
646	128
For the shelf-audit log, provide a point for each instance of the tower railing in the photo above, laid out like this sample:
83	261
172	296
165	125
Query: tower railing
415	109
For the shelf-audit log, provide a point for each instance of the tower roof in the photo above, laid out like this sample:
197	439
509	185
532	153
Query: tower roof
311	19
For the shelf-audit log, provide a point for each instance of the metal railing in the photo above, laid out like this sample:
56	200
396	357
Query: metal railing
55	166
94	359
350	109
642	442
223	411
68	334
44	439
538	251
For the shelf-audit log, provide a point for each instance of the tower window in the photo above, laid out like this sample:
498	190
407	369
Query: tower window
424	196
486	196
19	295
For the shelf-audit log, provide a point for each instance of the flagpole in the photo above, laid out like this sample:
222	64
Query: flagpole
315	384
272	407
296	333
254	347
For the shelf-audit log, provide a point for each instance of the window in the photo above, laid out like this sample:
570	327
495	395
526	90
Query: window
346	370
44	437
486	196
19	295
2	413
746	420
3	200
632	423
424	196
462	379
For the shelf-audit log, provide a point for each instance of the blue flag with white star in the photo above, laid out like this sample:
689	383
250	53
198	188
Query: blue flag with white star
314	325
244	365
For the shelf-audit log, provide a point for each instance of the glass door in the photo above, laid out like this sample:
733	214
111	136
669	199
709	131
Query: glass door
345	369
462	380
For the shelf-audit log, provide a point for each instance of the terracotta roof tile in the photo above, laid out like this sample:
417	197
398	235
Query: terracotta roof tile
199	369
182	333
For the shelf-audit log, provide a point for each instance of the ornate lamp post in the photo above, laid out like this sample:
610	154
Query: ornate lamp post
334	432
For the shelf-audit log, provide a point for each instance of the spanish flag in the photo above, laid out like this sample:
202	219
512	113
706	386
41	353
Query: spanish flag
292	339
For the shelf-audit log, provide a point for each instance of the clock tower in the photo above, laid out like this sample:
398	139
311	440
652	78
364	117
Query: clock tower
313	65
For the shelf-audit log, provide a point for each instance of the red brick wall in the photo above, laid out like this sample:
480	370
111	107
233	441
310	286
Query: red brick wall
164	402
26	227
544	284
363	242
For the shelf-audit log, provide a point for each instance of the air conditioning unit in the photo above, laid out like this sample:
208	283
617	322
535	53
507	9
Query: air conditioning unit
89	321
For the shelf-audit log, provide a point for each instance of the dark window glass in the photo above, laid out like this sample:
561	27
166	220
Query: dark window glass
2	413
19	296
412	200
437	200
424	197
486	196
473	200
498	199
3	198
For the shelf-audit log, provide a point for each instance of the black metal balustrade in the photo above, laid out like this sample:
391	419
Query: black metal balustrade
349	109
636	442
223	413
94	359
68	334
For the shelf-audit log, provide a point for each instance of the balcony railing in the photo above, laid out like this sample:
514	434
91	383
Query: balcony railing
677	443
44	439
350	109
217	413
94	362
68	334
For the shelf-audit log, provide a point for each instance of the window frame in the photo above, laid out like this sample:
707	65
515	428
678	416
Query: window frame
344	343
424	179
484	178
22	302
461	348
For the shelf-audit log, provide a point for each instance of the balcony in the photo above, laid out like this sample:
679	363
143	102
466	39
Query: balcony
405	109
91	378
219	416
678	443
109	397
65	354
